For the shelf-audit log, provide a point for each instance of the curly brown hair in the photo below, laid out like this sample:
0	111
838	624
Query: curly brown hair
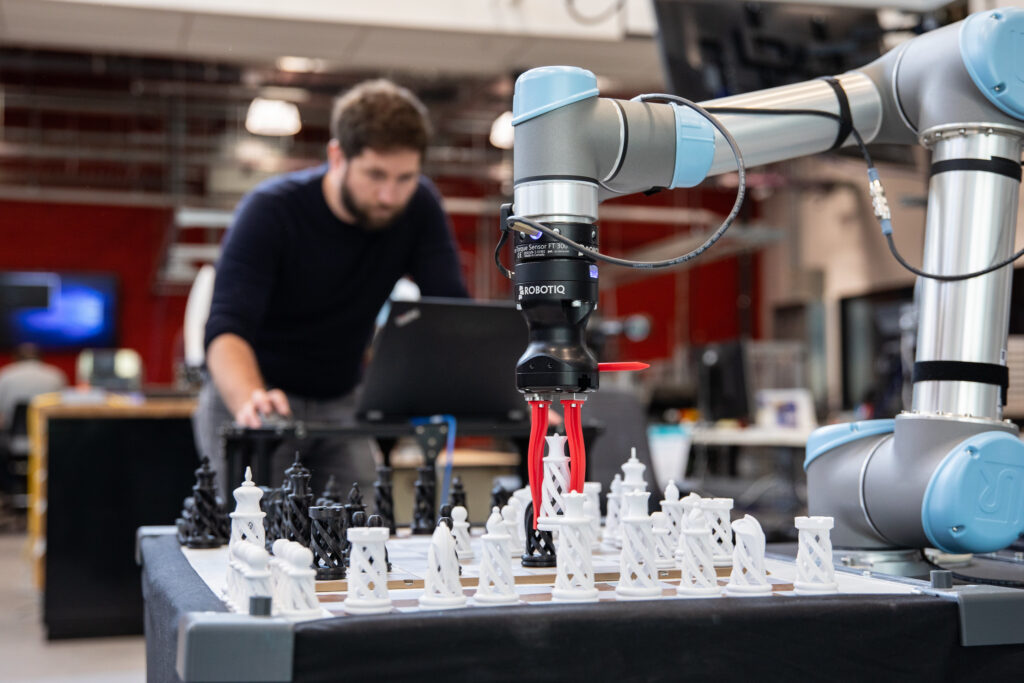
382	116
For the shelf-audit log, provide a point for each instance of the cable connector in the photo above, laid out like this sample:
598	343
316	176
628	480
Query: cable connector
879	202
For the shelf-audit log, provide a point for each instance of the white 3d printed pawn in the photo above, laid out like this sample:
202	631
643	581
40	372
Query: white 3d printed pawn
497	582
815	573
592	510
512	522
368	571
555	484
663	548
696	559
638	572
460	532
748	576
673	509
442	588
574	581
716	512
612	522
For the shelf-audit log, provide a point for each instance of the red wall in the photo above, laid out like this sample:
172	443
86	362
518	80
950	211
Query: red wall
125	241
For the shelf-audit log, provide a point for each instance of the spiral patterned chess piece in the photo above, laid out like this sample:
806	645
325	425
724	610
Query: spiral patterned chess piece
367	576
574	581
695	558
383	497
638	572
247	519
664	551
673	509
592	510
748	574
815	573
497	583
441	586
204	520
540	546
296	504
556	482
424	507
716	512
612	530
325	540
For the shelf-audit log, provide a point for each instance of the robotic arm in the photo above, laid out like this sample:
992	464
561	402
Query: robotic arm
950	472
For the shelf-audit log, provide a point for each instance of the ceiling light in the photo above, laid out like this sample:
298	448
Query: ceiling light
300	65
502	133
272	117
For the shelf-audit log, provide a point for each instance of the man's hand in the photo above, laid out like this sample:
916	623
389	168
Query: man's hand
260	405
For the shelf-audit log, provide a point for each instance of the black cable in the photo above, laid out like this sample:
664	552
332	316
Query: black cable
616	7
497	256
873	175
1009	583
741	191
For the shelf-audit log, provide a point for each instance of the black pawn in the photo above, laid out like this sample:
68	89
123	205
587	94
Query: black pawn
331	494
457	496
499	496
383	498
378	521
355	496
540	546
423	519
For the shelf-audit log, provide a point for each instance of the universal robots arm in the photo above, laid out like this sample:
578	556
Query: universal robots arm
950	472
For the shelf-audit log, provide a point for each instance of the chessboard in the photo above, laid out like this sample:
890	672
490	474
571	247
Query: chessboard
408	556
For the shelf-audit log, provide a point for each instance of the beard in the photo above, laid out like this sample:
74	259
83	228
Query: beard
363	218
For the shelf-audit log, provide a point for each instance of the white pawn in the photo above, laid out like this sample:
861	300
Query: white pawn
696	558
255	575
815	573
633	474
521	500
247	519
673	509
299	599
748	576
612	530
592	510
716	512
442	588
497	582
460	532
574	581
638	572
368	571
663	548
512	522
556	482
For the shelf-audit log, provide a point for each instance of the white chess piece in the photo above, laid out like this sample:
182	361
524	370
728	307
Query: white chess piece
690	503
612	528
512	523
663	548
633	474
673	509
460	532
556	482
748	576
442	588
695	558
497	582
295	582
716	511
815	573
592	510
521	500
368	571
255	578
574	581
247	519
638	572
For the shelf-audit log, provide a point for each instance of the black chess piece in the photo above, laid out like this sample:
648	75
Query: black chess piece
331	494
457	495
423	516
357	519
355	496
446	516
202	522
378	521
296	505
499	496
325	540
271	506
383	498
540	546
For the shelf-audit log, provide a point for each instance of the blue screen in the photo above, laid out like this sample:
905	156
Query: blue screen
58	310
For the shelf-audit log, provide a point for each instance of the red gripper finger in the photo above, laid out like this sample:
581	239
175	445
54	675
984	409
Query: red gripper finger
577	452
535	454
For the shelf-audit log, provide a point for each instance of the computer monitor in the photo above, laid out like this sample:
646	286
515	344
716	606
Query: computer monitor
446	356
722	384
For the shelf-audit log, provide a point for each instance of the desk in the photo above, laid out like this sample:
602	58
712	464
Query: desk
844	637
750	436
96	473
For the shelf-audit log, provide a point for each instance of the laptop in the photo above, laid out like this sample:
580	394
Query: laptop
441	356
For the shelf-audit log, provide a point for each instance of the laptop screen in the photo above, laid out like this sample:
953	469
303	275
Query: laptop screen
446	356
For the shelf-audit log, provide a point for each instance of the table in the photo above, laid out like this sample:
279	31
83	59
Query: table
847	637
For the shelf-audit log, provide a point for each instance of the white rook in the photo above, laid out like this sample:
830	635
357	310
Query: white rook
574	581
368	571
716	512
815	572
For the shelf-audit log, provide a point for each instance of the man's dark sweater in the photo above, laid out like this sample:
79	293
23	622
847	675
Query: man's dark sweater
303	287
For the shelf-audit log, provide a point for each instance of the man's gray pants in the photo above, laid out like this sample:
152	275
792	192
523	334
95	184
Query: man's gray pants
350	459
